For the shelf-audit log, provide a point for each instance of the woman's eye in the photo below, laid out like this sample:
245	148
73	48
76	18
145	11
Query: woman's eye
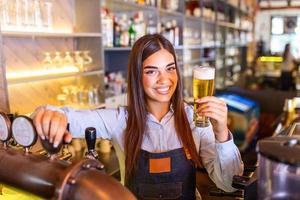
171	68
150	72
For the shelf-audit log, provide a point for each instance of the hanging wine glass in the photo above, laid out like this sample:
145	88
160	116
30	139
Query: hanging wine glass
87	59
57	60
78	60
68	60
47	62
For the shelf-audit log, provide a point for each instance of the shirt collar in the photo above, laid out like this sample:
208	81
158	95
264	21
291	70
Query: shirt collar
165	119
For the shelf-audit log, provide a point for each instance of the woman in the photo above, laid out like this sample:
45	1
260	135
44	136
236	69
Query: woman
155	131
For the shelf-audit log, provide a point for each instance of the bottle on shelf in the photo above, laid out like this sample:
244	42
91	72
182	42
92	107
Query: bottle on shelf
139	24
116	33
124	27
151	25
132	32
107	27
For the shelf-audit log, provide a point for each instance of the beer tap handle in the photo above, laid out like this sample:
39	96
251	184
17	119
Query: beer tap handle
90	138
65	153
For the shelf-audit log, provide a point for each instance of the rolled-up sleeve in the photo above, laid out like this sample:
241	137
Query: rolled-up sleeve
221	160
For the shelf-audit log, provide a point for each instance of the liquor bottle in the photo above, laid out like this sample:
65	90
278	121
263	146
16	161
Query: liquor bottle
117	33
140	26
132	32
124	26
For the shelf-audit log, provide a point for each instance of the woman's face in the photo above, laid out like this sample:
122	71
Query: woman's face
159	77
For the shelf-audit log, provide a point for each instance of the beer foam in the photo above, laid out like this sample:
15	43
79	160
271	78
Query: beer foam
204	73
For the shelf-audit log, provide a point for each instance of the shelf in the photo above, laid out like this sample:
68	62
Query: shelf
207	46
231	45
193	61
193	18
196	46
134	6
229	56
230	25
117	48
173	13
48	34
129	48
179	47
51	77
209	21
207	59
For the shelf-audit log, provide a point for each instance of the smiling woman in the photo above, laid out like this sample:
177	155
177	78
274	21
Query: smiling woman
155	132
159	81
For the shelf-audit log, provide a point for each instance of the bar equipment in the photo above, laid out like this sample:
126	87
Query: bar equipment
24	132
90	138
52	178
279	168
5	132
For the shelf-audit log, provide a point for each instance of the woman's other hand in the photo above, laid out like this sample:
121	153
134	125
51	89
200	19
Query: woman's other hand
216	110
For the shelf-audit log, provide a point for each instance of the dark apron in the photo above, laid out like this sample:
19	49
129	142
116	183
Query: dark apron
178	182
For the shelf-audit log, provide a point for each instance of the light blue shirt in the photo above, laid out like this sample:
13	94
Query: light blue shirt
221	160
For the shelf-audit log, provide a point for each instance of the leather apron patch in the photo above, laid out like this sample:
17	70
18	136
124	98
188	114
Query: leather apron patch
159	165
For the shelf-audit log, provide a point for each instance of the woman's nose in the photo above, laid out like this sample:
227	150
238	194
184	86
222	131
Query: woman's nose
163	77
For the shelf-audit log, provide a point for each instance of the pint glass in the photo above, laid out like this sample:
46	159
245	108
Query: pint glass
203	85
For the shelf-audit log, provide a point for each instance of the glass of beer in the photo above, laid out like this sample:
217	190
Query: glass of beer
203	85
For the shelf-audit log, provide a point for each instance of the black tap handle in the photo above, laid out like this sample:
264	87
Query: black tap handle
90	138
68	129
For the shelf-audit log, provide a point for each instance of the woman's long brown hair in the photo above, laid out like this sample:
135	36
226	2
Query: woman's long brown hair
137	112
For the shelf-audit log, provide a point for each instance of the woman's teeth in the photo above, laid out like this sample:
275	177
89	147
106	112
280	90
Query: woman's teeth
163	90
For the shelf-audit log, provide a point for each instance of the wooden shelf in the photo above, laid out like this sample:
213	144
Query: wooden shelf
52	77
48	34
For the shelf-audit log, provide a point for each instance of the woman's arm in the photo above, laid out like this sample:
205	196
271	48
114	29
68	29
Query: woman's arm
51	122
221	160
219	155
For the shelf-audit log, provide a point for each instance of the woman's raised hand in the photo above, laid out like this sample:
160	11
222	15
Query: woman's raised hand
216	110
